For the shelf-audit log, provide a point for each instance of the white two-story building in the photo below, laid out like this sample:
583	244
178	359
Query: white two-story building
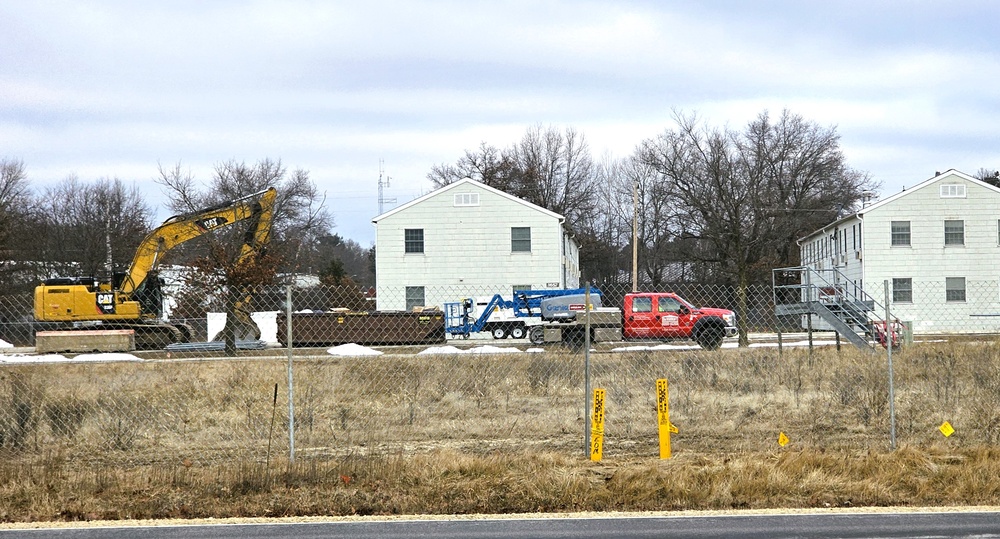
938	246
468	239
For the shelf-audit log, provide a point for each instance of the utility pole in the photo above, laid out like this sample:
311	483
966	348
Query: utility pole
635	235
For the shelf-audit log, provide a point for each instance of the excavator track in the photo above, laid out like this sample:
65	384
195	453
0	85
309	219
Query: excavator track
159	336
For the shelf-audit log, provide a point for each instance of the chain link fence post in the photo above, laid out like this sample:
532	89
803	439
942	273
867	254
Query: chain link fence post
890	341
291	391
586	371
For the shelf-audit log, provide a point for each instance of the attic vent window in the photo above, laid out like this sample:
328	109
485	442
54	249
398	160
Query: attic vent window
466	199
953	191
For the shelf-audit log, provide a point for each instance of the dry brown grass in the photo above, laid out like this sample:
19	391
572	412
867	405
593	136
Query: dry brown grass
448	482
496	434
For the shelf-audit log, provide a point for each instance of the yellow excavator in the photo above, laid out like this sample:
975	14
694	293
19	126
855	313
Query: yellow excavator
134	299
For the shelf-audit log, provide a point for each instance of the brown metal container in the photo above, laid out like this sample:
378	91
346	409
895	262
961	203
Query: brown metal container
389	327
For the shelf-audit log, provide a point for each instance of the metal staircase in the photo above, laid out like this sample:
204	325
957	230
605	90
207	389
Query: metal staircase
829	294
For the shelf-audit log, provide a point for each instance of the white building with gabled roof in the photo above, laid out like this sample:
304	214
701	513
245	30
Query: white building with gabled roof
468	239
938	246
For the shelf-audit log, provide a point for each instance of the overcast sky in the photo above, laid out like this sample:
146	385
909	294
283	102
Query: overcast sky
112	89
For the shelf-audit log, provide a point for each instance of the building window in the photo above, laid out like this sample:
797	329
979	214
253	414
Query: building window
954	288
414	297
954	232
520	239
902	290
466	199
901	233
520	288
414	240
953	190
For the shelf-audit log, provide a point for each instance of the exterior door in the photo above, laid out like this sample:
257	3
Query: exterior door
640	320
672	320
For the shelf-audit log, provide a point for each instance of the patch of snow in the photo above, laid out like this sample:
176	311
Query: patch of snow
13	359
5	344
489	349
109	357
352	349
535	350
645	347
793	344
485	349
637	348
441	350
23	358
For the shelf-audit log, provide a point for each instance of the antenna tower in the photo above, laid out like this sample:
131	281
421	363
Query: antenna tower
381	185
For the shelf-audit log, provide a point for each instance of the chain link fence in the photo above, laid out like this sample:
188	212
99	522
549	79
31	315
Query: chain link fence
354	382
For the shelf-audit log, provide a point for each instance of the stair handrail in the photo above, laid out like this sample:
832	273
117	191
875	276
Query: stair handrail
814	286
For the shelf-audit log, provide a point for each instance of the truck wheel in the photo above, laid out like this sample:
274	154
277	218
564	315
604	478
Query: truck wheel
499	332
574	338
710	338
537	335
517	332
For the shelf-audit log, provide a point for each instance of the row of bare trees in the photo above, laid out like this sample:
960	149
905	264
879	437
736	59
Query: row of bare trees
710	204
84	228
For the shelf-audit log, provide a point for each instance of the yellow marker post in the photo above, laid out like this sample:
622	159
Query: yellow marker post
782	439
597	427
663	417
946	429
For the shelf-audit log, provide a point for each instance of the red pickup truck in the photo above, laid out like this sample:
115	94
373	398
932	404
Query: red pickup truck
665	315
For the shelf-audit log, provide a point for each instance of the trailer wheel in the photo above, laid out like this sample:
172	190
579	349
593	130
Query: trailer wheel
536	335
517	332
499	332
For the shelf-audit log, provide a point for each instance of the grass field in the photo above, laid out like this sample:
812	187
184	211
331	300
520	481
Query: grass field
417	434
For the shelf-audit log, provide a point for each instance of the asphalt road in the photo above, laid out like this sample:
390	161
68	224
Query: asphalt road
839	525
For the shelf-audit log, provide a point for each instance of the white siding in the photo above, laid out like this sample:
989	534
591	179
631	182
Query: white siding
467	249
928	261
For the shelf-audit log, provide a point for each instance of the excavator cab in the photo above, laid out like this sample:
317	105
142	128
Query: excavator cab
149	294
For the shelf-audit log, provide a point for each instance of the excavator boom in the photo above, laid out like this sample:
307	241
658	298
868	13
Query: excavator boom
181	228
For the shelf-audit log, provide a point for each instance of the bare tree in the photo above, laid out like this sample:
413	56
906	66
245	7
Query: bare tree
300	216
92	228
603	232
554	170
16	230
487	164
745	197
547	167
223	269
989	175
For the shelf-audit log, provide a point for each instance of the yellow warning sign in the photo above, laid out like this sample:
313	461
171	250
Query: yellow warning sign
946	429
663	417
597	427
783	439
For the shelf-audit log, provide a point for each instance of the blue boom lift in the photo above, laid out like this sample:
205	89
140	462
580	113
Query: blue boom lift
532	310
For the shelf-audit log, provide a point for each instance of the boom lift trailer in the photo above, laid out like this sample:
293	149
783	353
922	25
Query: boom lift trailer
540	315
